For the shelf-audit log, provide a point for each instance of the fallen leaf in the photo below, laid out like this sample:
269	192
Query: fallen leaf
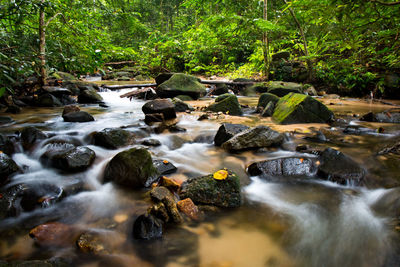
220	175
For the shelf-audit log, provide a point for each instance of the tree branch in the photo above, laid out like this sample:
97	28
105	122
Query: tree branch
386	3
51	19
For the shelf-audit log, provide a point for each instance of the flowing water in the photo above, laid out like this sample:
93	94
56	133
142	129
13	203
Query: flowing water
298	223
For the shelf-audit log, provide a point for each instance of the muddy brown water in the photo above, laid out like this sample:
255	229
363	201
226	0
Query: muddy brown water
304	223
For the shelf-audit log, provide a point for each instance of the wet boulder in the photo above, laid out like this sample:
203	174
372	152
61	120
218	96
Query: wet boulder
338	167
151	142
228	104
8	167
267	98
80	116
6	145
89	96
30	135
386	117
283	88
181	106
268	110
54	234
133	168
298	108
147	227
160	106
164	167
253	138
48	100
38	195
113	138
214	190
284	167
163	195
226	131
220	89
68	158
181	84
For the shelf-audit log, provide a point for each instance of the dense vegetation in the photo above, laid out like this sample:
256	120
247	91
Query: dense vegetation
348	46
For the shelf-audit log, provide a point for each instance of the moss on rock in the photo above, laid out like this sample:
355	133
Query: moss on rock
226	103
181	84
266	98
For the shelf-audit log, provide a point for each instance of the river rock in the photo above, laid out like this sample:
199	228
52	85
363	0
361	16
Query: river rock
48	100
70	109
56	91
80	116
164	166
8	167
391	149
298	108
187	207
5	120
68	158
386	117
226	131
54	234
6	145
30	135
38	195
163	77
283	88
151	142
266	98
113	138
254	138
160	106
93	243
181	84
169	183
228	104
163	195
89	96
209	191
159	211
147	227
284	167
220	89
133	168
336	166
268	110
181	106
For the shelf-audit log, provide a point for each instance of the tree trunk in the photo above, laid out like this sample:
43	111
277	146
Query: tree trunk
42	44
266	43
303	37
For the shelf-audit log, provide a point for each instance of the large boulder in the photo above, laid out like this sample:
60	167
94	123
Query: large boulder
30	135
163	77
298	108
89	96
181	84
7	168
283	88
267	98
254	138
68	158
160	106
226	131
79	116
336	166
284	167
228	104
208	190
133	168
48	100
113	138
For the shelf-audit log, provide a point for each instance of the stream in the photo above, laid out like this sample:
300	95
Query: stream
299	223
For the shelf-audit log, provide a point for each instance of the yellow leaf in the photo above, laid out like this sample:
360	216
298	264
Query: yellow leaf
165	162
220	175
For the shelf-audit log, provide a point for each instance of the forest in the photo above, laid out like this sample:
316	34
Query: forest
350	47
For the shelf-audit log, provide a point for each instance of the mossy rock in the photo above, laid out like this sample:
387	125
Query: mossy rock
184	98
123	78
132	168
283	88
266	98
59	75
298	108
207	190
113	138
181	84
89	96
226	103
260	87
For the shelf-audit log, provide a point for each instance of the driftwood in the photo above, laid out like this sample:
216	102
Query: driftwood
135	93
119	63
